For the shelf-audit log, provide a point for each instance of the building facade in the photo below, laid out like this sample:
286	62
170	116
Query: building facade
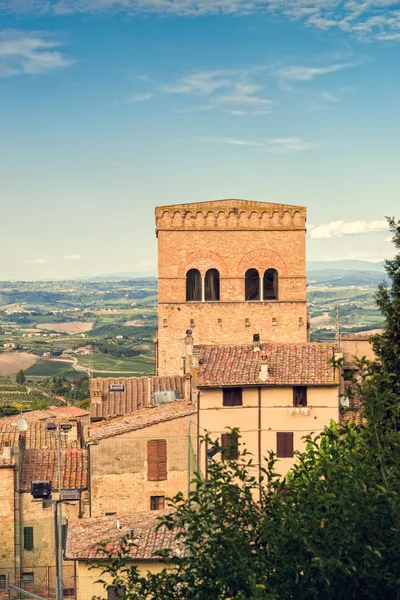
227	270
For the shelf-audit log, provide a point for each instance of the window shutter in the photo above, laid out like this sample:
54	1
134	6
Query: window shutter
289	444
232	397
28	538
156	460
281	444
229	444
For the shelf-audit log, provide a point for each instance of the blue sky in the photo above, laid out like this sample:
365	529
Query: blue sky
110	107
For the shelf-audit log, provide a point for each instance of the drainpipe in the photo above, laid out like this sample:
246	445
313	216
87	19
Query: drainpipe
198	432
17	517
259	440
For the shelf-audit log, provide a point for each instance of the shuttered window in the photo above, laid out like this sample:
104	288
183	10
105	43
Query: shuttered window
28	538
284	444
156	460
157	502
115	591
230	446
232	397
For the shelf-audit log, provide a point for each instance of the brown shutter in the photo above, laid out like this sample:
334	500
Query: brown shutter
224	440
227	397
152	462
162	459
289	444
281	444
237	397
230	446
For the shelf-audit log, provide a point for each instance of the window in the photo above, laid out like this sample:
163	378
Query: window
115	591
109	514
193	286
300	395
252	285
117	387
3	581
230	446
284	444
212	285
28	538
232	397
157	502
156	460
270	285
28	577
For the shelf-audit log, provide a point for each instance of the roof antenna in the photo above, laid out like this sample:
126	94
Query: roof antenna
338	332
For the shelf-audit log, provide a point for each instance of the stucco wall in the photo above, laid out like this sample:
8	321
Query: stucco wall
118	467
358	349
277	414
7	542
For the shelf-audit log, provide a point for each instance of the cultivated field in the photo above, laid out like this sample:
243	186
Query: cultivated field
49	368
137	365
71	327
12	362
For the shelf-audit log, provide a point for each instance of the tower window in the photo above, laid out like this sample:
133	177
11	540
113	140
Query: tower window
212	285
270	287
252	285
193	286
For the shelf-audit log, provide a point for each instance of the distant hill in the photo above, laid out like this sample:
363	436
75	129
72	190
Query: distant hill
344	277
353	265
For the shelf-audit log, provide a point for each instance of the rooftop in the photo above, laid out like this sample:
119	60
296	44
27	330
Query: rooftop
52	413
139	420
41	465
287	364
85	536
136	393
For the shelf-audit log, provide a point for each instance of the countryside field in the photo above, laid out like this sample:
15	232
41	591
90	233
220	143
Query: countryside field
135	365
71	327
12	362
49	368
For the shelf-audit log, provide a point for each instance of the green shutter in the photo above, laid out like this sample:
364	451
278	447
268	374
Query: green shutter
28	538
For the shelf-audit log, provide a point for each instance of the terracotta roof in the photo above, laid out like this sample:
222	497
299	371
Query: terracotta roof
85	536
8	439
53	413
42	465
139	420
137	394
288	364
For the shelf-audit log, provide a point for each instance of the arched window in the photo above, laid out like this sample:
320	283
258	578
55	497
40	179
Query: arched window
270	287
193	286
252	285
212	285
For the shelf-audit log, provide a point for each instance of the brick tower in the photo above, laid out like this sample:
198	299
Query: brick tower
227	270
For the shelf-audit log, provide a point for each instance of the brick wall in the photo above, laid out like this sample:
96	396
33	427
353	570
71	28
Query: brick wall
231	236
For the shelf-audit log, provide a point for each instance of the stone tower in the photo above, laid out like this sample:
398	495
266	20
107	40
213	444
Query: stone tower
229	270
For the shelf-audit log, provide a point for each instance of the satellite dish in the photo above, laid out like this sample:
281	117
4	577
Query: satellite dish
344	402
22	424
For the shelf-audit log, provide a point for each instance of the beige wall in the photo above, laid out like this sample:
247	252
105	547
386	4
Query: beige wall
232	252
277	414
118	467
358	349
86	578
7	542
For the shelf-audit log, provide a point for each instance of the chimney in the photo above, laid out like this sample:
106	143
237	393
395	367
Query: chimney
188	352
264	373
6	453
73	432
256	342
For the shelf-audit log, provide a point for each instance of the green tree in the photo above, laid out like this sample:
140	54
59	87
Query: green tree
20	377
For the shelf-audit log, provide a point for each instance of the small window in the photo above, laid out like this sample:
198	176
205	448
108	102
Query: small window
212	285
284	444
230	446
157	502
110	514
115	591
28	577
232	397
3	581
270	285
157	460
193	286
252	285
117	387
300	395
28	538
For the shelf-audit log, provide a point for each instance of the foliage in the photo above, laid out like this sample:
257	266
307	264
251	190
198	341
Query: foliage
387	345
84	404
7	410
20	377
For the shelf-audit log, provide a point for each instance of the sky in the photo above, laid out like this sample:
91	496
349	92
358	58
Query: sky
109	108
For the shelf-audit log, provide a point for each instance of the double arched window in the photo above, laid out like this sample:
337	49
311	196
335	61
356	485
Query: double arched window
261	288
202	289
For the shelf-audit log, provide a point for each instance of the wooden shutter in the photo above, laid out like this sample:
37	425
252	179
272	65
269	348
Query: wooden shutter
289	444
232	397
230	446
281	444
156	460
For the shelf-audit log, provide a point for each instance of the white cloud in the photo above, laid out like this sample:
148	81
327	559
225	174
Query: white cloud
37	261
72	257
367	255
140	97
287	145
370	19
341	228
304	73
28	53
